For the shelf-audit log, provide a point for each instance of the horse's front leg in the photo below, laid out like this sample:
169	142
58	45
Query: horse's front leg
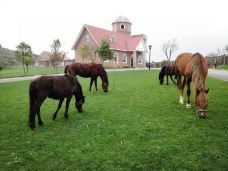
67	106
95	83
181	88
59	106
91	83
167	79
172	80
188	106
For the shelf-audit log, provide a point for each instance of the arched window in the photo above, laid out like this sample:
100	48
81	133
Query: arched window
122	26
140	59
124	58
116	57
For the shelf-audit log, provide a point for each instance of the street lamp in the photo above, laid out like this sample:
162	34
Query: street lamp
150	46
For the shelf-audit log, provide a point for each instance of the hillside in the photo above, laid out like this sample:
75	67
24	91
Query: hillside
7	57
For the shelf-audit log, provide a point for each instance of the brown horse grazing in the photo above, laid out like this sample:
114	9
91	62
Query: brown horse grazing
92	70
194	68
167	71
56	87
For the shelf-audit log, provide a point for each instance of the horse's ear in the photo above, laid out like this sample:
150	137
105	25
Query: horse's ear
207	90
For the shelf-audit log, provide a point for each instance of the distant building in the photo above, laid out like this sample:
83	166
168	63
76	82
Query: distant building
130	50
44	60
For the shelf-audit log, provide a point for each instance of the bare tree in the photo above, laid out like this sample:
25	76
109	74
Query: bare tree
56	56
169	48
219	52
225	54
88	51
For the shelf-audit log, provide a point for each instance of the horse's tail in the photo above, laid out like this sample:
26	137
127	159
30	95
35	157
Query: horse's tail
32	104
66	69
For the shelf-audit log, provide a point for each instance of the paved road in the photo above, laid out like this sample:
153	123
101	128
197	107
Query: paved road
219	74
6	80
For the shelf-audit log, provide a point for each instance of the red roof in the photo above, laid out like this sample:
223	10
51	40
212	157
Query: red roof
122	41
45	55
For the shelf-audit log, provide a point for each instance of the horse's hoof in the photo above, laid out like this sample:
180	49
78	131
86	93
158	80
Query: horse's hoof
32	127
53	118
188	106
181	100
40	123
66	116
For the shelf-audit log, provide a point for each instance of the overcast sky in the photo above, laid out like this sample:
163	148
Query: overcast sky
198	25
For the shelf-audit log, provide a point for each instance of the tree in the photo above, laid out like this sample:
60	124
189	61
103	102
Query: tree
23	51
169	48
104	51
28	61
56	56
88	51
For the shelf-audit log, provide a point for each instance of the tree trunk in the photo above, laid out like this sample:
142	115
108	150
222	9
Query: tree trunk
23	64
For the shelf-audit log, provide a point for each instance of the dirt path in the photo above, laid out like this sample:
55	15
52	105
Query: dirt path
219	74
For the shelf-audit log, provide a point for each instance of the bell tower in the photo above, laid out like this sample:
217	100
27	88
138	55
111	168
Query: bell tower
122	25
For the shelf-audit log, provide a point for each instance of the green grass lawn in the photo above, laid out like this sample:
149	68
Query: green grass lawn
137	125
225	67
17	71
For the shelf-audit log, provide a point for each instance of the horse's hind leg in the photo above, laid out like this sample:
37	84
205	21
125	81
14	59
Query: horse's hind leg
91	83
32	117
59	106
67	106
188	106
38	105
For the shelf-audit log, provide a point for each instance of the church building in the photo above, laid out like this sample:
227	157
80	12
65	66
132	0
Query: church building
129	50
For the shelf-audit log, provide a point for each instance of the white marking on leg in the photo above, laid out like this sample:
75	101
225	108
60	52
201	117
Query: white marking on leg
188	106
181	100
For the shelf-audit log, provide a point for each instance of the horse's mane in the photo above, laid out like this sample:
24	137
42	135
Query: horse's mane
198	70
104	75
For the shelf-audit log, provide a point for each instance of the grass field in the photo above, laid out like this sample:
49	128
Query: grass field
17	71
137	125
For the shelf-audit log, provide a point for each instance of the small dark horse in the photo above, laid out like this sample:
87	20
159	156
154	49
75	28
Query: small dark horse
92	70
167	71
56	87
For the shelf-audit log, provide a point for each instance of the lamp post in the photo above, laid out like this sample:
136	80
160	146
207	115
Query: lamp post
149	54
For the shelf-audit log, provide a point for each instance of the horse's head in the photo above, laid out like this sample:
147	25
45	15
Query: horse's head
79	97
201	102
79	102
105	86
161	77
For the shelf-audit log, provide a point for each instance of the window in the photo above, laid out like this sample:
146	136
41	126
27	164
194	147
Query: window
116	57
87	37
122	26
124	58
140	59
113	39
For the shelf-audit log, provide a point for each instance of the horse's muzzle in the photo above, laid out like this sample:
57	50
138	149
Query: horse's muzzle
201	113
